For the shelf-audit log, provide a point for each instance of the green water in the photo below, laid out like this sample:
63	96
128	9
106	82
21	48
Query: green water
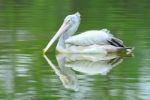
26	27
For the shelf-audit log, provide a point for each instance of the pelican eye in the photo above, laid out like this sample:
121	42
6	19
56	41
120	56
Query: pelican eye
68	21
72	19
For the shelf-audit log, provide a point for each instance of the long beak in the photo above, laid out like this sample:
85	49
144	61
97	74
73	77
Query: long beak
64	27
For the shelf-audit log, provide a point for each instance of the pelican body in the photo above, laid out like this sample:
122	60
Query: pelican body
93	41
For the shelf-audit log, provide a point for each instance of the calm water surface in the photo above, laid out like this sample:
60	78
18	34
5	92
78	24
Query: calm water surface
26	27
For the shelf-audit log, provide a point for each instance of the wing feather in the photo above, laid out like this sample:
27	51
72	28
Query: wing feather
116	42
99	37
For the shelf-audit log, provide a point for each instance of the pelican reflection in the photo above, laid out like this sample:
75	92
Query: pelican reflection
90	64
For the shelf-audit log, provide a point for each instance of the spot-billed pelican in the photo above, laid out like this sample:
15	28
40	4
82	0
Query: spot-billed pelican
93	41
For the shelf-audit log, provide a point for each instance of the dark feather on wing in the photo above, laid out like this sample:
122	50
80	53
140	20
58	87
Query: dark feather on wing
116	42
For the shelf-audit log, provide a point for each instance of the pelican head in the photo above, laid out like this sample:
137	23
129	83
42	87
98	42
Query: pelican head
69	26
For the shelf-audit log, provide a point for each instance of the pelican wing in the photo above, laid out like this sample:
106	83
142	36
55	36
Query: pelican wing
99	37
116	42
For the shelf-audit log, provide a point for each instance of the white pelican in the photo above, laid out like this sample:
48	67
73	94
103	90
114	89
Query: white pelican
93	41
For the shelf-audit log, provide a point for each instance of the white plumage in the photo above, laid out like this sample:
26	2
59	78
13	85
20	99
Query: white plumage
91	37
93	41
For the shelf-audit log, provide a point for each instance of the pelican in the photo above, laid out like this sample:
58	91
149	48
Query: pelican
92	41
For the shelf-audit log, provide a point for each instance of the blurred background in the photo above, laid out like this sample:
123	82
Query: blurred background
26	27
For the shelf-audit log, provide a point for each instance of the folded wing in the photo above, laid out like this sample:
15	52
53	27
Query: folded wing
99	37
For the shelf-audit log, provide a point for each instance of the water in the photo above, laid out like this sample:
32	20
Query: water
26	27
